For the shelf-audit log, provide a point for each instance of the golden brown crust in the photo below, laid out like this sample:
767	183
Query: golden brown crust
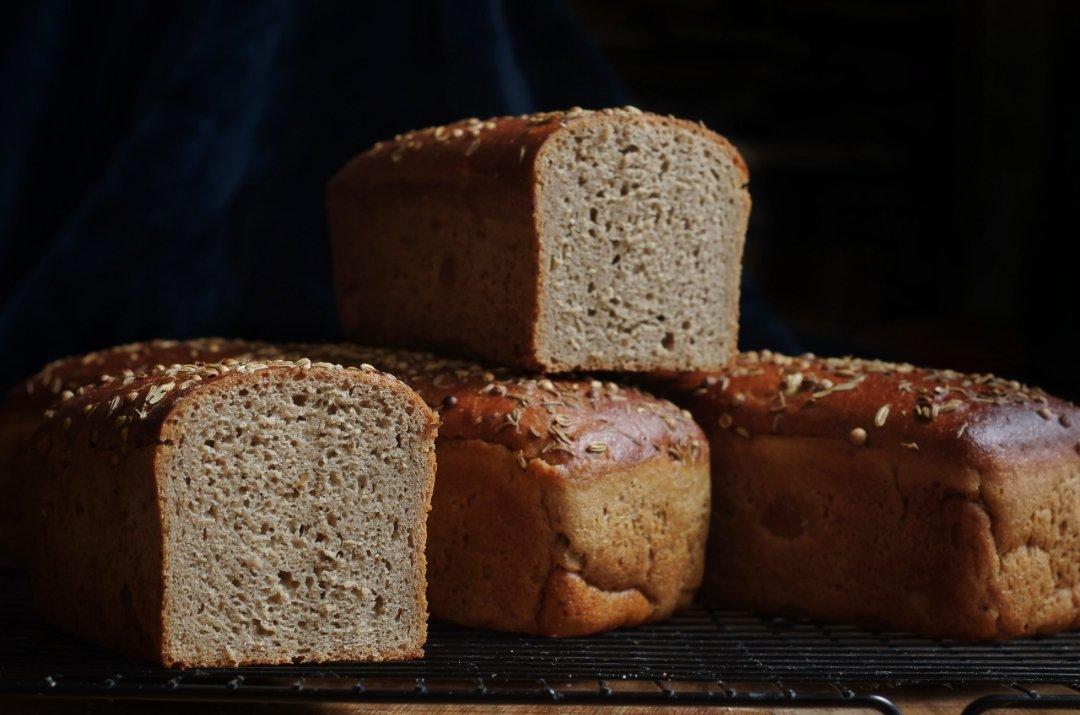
535	551
455	297
940	413
885	494
98	562
73	372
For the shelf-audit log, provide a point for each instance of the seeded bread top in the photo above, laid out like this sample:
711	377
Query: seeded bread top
496	141
877	404
71	373
127	412
560	421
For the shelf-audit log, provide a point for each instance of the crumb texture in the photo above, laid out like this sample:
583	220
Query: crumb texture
642	225
295	524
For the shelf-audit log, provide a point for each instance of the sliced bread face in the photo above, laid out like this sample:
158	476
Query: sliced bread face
641	222
290	521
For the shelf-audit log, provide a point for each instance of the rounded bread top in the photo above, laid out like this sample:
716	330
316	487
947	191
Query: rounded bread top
876	404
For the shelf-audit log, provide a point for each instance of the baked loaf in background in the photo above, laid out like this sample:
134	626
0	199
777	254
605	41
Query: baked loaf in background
205	516
562	506
577	240
23	406
887	495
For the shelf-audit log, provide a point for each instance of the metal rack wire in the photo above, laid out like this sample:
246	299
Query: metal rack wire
701	656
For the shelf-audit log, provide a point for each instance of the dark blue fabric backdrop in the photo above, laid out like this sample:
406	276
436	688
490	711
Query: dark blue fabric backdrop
164	162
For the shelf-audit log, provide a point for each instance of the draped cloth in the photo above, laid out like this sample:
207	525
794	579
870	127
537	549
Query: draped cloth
164	162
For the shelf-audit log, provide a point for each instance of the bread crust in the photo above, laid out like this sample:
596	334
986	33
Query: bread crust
535	550
481	178
884	494
99	561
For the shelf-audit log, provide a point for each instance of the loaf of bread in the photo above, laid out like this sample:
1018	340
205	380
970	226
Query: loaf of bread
883	494
562	507
215	515
22	408
607	240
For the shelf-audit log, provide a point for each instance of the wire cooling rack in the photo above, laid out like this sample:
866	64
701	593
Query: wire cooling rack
701	656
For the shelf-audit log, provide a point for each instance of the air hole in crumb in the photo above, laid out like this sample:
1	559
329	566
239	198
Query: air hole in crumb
380	605
686	325
287	580
592	287
668	342
299	400
593	213
616	259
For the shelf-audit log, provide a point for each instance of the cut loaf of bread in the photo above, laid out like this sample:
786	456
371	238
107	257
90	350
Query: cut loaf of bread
889	495
217	515
608	240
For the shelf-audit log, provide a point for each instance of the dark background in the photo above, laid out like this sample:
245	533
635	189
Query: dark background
912	162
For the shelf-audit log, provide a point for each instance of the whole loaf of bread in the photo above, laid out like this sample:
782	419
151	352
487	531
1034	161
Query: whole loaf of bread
884	494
